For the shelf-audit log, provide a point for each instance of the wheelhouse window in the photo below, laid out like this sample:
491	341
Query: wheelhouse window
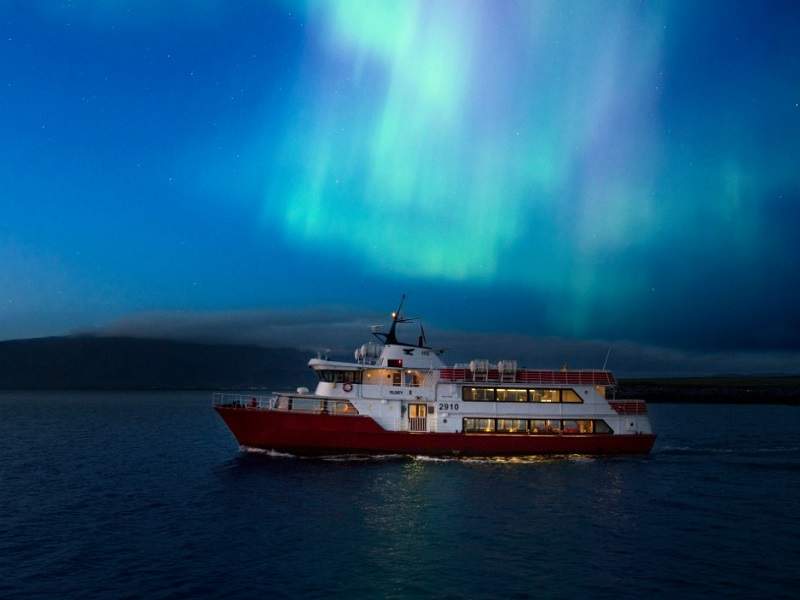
412	378
339	376
382	377
477	394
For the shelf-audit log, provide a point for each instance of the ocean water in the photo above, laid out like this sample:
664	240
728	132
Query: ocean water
128	495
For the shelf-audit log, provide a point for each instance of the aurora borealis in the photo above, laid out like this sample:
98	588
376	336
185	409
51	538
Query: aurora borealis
623	171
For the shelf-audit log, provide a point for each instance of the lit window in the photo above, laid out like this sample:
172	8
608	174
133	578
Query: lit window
477	394
542	426
570	426
478	425
512	395
540	395
570	396
512	425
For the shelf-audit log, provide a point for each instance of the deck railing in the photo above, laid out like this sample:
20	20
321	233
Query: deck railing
590	377
629	407
418	423
253	401
284	402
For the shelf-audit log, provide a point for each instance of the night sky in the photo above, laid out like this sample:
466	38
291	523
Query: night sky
592	173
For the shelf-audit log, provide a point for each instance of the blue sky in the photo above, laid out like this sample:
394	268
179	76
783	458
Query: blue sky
624	172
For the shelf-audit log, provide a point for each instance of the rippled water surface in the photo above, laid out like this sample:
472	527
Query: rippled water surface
111	495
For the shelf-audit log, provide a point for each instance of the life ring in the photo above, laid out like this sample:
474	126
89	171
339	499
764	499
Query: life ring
347	387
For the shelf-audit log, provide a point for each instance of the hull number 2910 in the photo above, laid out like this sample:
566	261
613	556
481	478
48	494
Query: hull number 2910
448	405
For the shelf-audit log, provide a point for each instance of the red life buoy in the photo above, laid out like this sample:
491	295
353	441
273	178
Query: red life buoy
347	387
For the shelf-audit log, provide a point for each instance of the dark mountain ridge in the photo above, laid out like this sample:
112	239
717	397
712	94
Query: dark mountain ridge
88	362
105	363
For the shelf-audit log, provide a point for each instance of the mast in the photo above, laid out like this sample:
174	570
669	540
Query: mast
391	337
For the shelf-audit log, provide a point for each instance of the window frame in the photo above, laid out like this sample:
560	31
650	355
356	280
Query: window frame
339	376
557	426
529	394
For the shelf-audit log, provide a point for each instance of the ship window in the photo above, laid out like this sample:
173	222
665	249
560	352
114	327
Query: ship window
378	376
412	378
544	426
340	376
512	425
570	426
478	425
543	395
536	426
396	378
477	394
512	395
602	427
570	396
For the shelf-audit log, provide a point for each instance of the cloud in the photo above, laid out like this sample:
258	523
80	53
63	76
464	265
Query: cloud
341	330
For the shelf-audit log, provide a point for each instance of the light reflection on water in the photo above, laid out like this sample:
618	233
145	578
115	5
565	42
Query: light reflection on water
354	457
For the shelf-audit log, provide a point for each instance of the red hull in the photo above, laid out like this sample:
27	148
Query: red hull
317	434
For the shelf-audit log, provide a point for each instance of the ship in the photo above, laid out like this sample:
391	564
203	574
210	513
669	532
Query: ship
397	397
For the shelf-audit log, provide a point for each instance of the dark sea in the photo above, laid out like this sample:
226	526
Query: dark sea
146	495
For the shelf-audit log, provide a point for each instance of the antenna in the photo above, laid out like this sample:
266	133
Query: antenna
398	317
605	362
391	337
422	340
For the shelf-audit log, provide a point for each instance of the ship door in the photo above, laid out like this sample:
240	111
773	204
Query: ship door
418	417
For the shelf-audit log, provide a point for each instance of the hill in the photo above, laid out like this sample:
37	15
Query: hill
82	362
104	363
723	390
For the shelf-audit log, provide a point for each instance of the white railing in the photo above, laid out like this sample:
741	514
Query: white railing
284	402
629	407
418	423
253	401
